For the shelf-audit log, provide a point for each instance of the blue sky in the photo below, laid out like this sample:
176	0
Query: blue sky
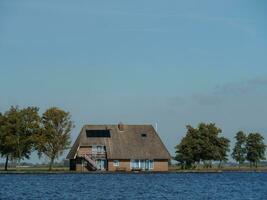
170	62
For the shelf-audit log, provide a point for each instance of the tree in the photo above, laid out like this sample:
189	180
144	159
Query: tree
255	148
214	148
188	152
55	135
208	135
222	148
3	146
18	130
202	144
239	151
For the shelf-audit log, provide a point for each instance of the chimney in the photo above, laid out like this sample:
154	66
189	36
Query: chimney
121	126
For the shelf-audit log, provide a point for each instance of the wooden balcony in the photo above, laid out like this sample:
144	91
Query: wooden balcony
94	155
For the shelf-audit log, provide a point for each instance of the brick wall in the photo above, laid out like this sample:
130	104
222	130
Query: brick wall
84	150
124	165
161	165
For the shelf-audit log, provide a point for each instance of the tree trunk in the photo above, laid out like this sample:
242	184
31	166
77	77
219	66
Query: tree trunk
220	164
6	164
51	163
205	164
198	163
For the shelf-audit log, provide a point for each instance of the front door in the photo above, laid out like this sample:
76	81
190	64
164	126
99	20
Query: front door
101	164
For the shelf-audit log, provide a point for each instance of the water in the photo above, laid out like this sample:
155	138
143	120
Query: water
135	186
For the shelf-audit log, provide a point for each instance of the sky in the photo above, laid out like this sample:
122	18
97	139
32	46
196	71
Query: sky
138	62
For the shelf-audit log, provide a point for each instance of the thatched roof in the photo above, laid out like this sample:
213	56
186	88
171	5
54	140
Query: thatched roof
126	144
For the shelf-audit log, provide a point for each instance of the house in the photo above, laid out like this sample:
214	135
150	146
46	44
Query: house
118	148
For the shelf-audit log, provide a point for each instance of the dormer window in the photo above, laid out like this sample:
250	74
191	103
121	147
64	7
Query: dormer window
143	135
98	133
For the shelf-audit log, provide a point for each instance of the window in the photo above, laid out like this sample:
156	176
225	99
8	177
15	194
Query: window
143	135
98	133
97	149
94	149
100	149
101	164
142	164
116	163
151	164
134	164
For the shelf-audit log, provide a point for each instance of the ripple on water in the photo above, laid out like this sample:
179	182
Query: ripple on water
134	186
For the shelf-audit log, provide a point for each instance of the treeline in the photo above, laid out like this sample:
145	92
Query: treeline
204	145
23	131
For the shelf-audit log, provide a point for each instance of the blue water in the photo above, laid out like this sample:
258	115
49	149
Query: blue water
134	186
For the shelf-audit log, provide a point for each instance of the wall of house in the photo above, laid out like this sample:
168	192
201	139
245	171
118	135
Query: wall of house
161	165
84	150
81	165
124	165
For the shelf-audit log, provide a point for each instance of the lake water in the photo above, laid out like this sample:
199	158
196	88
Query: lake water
134	186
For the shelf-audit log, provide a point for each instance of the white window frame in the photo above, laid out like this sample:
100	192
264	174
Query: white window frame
116	163
94	149
99	149
151	164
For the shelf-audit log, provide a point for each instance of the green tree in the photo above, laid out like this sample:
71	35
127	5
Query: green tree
55	135
188	152
255	148
18	130
184	154
222	147
4	149
202	144
239	151
214	147
208	136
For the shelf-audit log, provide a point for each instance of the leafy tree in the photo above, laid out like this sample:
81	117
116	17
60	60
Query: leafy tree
255	148
3	147
214	148
184	154
18	129
55	135
222	148
188	152
202	144
208	135
185	151
239	151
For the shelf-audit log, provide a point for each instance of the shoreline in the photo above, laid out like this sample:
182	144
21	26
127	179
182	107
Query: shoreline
58	171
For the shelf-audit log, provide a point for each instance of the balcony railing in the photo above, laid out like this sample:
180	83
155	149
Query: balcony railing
94	155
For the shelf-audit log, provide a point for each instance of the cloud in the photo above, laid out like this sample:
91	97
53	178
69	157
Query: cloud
207	99
242	87
233	88
222	93
177	100
260	81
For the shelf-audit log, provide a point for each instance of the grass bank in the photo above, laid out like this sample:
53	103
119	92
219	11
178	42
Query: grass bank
223	169
172	169
35	170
